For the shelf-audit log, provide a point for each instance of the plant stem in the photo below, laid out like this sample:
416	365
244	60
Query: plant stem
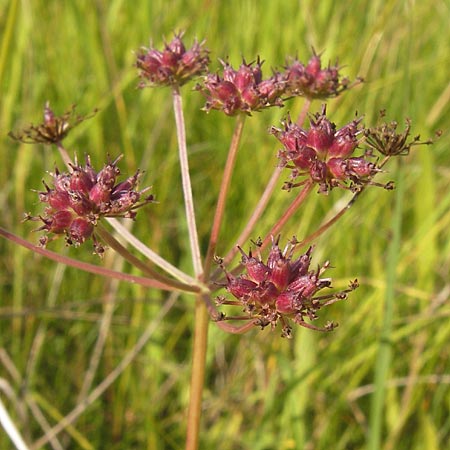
259	209
330	222
338	215
110	240
224	187
305	108
65	156
229	328
10	429
197	373
98	270
186	181
150	254
265	197
288	213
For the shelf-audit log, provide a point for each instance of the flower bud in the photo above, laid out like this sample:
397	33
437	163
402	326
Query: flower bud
256	269
99	194
320	136
281	273
285	302
338	168
80	181
56	199
58	222
361	167
80	230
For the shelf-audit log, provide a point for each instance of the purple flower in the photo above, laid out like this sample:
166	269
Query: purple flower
243	90
325	154
78	199
282	289
175	65
314	82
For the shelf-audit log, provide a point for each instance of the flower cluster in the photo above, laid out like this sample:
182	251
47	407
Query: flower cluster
80	198
54	128
174	65
314	82
282	288
385	138
243	90
324	153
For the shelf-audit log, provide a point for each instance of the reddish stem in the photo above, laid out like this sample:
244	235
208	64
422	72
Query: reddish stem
288	213
220	208
147	282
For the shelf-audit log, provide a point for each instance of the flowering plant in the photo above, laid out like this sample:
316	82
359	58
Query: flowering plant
278	288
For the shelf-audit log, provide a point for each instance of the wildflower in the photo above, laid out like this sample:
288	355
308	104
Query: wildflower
325	154
53	129
282	289
314	82
79	199
243	90
174	65
385	139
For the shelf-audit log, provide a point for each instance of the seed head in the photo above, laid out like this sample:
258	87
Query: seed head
242	90
324	153
53	129
173	66
282	289
78	199
314	82
385	138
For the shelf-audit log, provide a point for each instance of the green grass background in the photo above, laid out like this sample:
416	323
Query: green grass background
380	381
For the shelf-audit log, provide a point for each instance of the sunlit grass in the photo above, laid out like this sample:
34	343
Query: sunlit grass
314	392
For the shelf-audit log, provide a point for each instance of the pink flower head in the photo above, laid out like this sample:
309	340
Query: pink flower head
175	65
313	81
282	288
79	199
243	90
325	153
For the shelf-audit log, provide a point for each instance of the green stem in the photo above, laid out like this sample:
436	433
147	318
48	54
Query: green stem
385	345
186	181
224	187
197	373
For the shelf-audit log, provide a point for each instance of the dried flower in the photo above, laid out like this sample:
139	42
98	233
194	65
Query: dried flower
324	153
314	82
54	128
385	139
174	65
242	90
78	199
282	289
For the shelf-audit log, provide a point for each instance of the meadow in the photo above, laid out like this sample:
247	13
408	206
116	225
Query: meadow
107	364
